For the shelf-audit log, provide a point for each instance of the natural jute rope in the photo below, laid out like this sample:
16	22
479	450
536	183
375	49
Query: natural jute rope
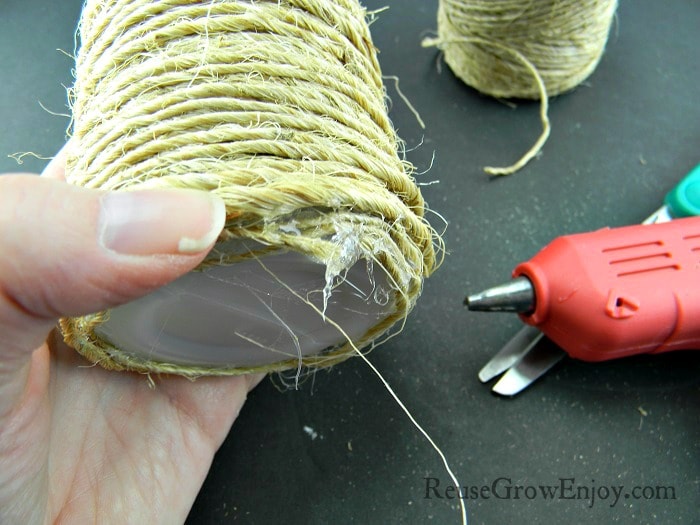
523	49
276	106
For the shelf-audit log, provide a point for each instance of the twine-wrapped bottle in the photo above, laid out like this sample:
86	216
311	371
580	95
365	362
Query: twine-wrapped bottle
278	108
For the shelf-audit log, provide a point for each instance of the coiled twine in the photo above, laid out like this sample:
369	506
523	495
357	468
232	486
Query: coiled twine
562	39
531	50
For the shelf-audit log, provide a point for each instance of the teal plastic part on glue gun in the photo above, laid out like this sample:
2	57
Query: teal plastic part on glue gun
684	199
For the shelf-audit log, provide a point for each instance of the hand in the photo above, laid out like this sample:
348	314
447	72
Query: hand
79	444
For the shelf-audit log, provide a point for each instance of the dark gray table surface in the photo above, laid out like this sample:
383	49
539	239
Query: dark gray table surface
618	144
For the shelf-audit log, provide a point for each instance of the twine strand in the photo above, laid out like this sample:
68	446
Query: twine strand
530	50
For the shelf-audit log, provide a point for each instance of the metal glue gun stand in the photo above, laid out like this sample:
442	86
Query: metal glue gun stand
524	359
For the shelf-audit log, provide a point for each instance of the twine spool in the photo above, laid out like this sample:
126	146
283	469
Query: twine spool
530	50
276	106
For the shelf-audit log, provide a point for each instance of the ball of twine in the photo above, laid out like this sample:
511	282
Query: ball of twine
530	50
277	107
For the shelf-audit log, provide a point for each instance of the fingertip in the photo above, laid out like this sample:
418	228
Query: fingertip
153	222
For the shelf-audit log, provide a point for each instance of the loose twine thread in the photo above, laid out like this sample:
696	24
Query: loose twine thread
277	107
516	49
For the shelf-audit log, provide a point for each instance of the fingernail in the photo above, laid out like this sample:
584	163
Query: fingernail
152	222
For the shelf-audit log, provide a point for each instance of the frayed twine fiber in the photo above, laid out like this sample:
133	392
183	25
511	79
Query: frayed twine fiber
516	49
277	107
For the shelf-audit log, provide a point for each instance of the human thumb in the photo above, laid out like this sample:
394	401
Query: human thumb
68	251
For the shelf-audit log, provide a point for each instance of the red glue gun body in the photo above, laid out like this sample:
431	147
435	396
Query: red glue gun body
618	292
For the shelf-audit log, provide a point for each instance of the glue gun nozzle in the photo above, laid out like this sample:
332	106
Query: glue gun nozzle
516	296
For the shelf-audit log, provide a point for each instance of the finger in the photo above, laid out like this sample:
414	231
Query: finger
68	251
210	404
253	380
